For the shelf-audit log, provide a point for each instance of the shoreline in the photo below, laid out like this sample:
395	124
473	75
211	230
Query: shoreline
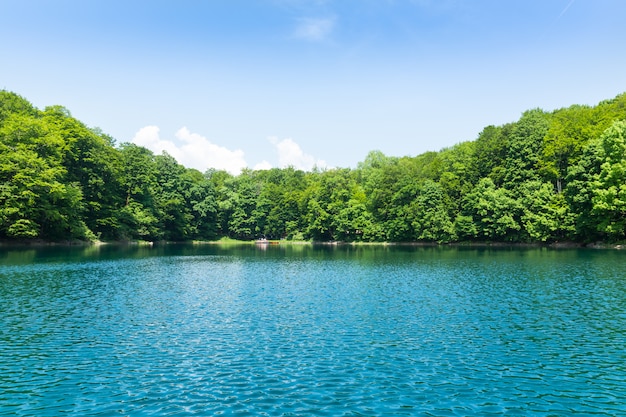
476	244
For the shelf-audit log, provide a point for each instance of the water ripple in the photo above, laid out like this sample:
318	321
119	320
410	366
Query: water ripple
337	333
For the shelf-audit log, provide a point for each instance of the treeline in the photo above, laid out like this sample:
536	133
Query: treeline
550	176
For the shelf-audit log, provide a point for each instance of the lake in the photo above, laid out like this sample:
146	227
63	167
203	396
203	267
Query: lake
312	331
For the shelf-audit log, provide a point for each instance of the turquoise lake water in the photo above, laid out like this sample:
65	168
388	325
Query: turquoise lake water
312	331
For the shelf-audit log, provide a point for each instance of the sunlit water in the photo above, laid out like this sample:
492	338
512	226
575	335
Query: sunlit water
297	331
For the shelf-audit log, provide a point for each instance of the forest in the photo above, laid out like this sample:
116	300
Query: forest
551	176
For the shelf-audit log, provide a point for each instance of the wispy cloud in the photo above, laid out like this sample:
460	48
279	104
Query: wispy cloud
192	150
315	29
565	9
290	154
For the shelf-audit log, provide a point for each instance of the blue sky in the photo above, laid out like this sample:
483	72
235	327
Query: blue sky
259	83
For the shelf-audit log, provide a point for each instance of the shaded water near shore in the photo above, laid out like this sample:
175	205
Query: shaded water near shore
302	330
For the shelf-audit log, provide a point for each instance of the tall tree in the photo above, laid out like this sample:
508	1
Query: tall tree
525	147
139	217
430	216
494	211
608	186
570	130
93	165
545	214
242	198
490	153
35	198
172	192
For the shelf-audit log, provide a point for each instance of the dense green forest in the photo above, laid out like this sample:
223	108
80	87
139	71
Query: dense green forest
548	177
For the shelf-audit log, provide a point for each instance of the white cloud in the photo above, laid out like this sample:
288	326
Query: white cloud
195	151
192	150
290	154
314	30
148	137
263	166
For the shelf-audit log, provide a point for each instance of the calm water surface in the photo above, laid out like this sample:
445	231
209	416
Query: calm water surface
292	331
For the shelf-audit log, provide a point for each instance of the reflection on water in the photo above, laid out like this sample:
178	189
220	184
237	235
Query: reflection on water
301	330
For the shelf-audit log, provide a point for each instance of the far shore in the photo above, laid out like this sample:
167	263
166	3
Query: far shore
227	241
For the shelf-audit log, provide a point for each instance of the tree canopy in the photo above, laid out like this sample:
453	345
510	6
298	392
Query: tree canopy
547	177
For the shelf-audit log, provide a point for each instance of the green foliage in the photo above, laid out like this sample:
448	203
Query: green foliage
608	186
596	188
202	205
430	218
240	203
36	198
494	211
569	132
11	104
94	166
550	176
545	214
525	146
490	152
